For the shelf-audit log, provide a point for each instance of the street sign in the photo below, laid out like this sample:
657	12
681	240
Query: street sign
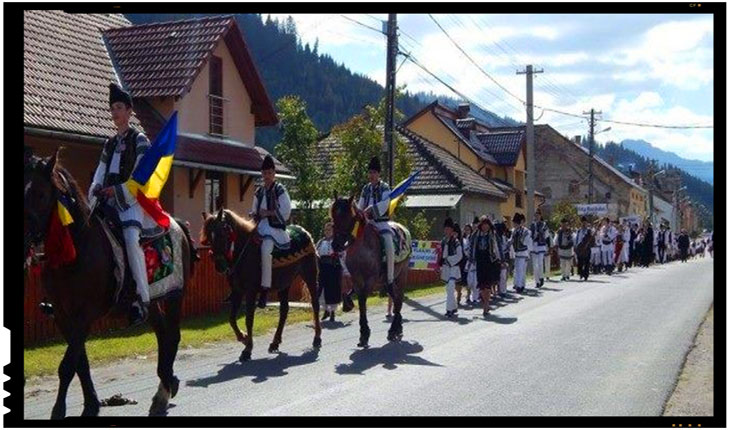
599	209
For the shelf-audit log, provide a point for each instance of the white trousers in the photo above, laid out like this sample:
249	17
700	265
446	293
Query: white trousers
451	295
389	255
267	247
137	265
520	271
546	265
538	266
503	280
596	256
607	257
471	281
565	265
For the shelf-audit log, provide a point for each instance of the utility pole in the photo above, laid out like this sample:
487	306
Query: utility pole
650	184
591	144
530	135
390	89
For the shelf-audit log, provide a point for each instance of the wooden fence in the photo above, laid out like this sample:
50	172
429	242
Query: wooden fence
205	295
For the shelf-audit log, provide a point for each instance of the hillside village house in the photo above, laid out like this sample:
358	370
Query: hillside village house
496	155
562	175
446	186
201	68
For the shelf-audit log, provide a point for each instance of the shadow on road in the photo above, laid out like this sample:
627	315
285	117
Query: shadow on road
436	314
389	356
261	370
499	320
551	289
334	325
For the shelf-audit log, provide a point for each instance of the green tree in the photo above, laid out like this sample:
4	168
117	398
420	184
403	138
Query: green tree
297	149
419	225
563	209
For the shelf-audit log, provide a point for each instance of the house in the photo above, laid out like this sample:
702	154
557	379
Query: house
200	68
446	186
562	174
498	155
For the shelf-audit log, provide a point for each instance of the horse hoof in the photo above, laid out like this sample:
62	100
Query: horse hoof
91	410
158	408
58	412
245	356
317	343
363	344
273	348
174	385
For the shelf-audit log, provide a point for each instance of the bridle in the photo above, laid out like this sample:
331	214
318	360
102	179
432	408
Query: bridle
353	230
226	258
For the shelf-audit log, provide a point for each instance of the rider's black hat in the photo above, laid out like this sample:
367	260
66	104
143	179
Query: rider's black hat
268	163
374	164
448	222
117	94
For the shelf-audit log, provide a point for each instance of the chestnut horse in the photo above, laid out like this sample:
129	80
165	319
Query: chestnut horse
364	262
236	250
84	290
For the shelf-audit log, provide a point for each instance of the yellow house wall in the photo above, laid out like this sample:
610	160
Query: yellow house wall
193	108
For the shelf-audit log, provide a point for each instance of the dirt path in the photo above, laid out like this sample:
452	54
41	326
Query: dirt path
694	393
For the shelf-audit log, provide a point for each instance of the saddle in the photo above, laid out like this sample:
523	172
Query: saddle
300	245
401	238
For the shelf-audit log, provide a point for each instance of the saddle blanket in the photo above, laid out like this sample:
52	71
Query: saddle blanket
401	242
300	245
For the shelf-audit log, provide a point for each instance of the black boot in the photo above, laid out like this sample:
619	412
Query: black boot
263	298
325	315
332	316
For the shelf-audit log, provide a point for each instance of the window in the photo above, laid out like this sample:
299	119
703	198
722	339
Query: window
215	95
214	190
518	200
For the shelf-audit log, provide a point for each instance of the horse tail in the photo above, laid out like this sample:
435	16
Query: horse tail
193	252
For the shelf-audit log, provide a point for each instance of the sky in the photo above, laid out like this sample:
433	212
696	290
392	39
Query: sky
655	69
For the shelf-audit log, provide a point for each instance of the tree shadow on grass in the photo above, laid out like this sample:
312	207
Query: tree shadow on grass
389	356
261	370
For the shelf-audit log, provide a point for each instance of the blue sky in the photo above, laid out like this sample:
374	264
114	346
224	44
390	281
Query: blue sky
639	68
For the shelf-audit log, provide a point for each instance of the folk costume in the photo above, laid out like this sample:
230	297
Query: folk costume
330	277
596	262
521	244
583	240
272	228
119	157
451	255
624	255
487	256
375	199
504	250
471	268
566	242
607	236
551	244
539	233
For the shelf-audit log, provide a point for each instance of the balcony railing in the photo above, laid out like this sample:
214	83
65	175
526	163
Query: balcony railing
217	115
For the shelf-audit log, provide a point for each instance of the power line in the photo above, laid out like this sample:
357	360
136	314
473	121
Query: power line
360	23
638	124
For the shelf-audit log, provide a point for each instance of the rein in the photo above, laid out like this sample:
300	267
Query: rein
230	269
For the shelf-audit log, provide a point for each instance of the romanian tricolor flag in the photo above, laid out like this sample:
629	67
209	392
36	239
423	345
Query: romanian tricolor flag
152	171
399	191
59	245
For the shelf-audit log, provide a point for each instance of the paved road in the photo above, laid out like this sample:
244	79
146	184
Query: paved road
612	346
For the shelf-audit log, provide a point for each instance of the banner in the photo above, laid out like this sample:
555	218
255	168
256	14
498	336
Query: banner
599	209
424	254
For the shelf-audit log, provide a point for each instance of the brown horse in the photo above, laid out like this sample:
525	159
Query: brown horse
83	291
363	261
242	267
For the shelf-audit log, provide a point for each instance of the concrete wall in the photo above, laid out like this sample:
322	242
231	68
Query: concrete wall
472	205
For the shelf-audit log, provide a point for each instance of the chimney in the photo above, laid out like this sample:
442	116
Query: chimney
462	112
466	126
576	139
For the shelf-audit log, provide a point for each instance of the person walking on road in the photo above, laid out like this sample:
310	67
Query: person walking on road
330	273
565	242
539	234
584	240
521	245
487	256
504	248
608	244
451	255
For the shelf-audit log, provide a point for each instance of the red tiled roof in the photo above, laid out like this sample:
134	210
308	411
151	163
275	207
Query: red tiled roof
163	59
67	71
214	151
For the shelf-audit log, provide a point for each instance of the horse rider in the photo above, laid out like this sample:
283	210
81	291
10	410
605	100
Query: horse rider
271	209
375	202
608	245
119	158
521	245
539	233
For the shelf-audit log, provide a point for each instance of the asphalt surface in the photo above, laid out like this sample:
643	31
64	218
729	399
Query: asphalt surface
611	346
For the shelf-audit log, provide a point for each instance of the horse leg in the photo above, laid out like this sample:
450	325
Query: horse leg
396	327
362	298
250	310
162	397
283	312
310	278
67	370
172	320
91	401
236	297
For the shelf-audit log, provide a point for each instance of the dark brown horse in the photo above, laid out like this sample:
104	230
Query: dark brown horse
242	267
83	291
364	262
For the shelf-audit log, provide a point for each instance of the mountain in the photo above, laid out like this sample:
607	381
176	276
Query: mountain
332	92
701	169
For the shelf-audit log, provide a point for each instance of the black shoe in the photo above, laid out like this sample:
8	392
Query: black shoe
263	298
332	316
325	315
138	314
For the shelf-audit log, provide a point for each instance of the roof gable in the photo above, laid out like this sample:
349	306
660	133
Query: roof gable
165	58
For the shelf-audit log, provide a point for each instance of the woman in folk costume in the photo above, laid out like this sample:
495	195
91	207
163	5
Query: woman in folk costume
596	262
608	235
504	254
522	245
451	255
119	157
565	242
470	272
330	273
626	237
271	209
486	254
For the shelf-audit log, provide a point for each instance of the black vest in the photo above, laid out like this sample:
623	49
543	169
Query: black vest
538	232
560	240
126	161
272	202
519	240
374	195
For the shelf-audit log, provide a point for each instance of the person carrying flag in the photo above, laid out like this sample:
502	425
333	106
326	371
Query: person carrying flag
375	202
119	158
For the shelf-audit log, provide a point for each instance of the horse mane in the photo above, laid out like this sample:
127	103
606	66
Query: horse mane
65	183
240	223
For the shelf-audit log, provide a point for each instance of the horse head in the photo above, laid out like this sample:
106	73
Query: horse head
344	214
217	233
39	199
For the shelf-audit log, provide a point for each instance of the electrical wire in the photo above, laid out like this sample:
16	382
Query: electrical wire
360	23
